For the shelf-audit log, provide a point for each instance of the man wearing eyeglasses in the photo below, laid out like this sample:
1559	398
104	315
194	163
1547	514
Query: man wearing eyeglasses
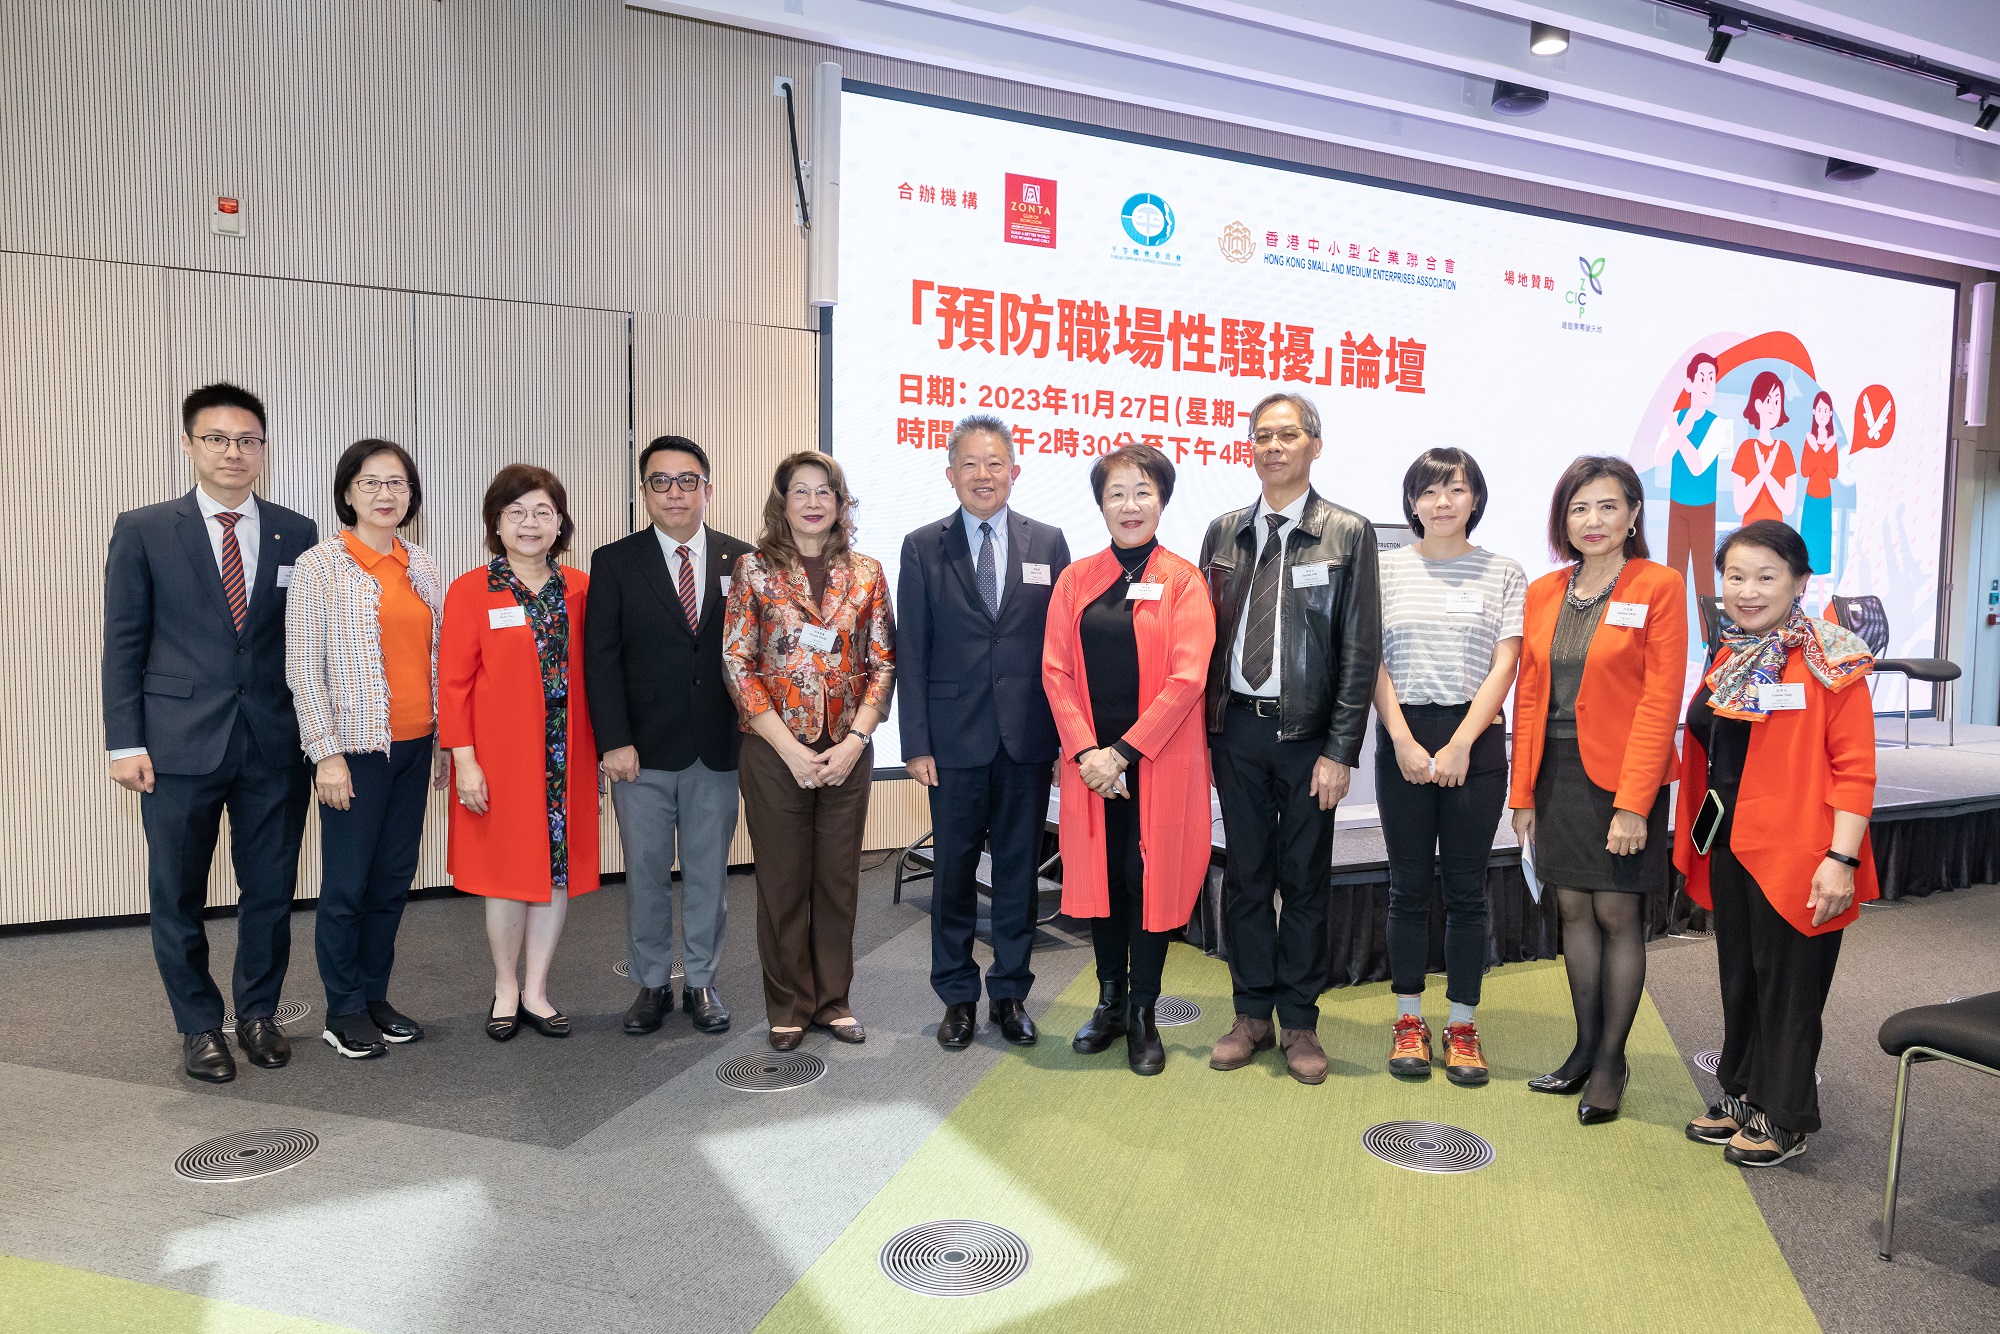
1297	645
198	719
666	728
973	599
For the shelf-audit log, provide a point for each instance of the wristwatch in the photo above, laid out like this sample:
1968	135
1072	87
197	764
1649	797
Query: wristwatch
1843	858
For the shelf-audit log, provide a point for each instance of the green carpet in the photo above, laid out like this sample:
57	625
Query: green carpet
1202	1201
55	1299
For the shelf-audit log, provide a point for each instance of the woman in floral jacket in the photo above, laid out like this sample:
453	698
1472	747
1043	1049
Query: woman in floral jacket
809	648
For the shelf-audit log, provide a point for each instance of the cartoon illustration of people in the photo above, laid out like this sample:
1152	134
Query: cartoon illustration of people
1820	464
1696	438
1767	481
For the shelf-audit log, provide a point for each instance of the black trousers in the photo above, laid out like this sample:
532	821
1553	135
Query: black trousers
1006	804
368	856
182	816
1280	846
1774	984
1126	951
1439	834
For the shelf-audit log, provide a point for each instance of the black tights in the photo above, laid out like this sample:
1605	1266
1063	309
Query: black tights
1121	935
1604	950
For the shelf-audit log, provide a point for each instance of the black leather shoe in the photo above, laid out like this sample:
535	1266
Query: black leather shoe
502	1027
1555	1083
549	1026
1589	1114
1144	1051
1106	1023
961	1019
1015	1026
649	1009
354	1036
704	1006
205	1056
395	1025
263	1042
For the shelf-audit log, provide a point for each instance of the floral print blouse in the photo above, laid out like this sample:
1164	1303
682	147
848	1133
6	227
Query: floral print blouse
770	662
548	617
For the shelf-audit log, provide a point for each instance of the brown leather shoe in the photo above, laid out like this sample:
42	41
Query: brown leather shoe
1305	1059
787	1041
1464	1062
1240	1045
1410	1049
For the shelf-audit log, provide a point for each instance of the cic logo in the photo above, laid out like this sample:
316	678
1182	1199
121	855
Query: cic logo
1590	284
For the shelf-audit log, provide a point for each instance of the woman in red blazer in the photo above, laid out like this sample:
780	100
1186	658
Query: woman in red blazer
511	710
1125	663
1603	660
1778	731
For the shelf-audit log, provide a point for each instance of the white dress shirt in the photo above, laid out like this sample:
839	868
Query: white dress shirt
1292	513
698	546
975	539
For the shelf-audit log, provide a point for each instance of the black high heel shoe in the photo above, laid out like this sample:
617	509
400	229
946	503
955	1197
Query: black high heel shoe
551	1026
1555	1083
500	1030
1589	1114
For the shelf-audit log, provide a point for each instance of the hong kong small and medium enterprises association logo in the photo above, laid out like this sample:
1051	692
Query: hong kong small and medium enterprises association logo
1236	243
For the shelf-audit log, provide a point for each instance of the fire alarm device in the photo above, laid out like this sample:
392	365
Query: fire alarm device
227	220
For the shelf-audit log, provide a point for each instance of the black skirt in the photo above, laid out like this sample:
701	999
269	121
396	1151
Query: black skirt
1572	820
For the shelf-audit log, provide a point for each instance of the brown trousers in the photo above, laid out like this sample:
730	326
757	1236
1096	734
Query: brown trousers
1691	535
807	847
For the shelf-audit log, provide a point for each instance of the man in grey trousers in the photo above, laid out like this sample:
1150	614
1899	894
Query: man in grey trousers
666	727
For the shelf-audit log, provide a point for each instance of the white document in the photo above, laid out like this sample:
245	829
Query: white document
284	576
1310	576
1784	695
1032	573
1528	869
1464	600
818	638
501	618
1144	592
1631	615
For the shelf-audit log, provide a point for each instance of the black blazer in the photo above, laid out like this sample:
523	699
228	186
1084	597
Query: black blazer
654	681
968	683
176	672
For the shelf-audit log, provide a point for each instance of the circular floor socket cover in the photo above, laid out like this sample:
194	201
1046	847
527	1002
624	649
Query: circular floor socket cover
955	1257
1427	1146
1708	1060
288	1013
770	1071
246	1155
624	969
1170	1010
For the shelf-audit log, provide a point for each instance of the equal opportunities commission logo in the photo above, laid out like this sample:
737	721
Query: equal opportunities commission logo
1148	222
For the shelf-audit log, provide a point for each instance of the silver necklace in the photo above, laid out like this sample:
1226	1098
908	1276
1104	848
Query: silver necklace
1583	603
1130	572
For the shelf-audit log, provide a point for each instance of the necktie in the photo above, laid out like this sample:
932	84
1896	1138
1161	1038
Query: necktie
1260	636
233	586
989	583
686	583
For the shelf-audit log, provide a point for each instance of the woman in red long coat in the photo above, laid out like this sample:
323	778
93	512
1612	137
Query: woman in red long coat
511	710
1125	662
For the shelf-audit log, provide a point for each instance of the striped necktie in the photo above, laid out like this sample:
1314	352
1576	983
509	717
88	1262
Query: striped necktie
233	586
686	585
1260	635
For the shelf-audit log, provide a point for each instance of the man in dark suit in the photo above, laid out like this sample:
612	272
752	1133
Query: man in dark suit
666	727
198	718
972	600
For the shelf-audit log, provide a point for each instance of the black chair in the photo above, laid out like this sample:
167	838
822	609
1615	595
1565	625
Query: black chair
1965	1032
1711	618
1865	617
918	862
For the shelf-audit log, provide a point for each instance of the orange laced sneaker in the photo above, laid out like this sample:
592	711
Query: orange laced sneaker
1463	1063
1410	1053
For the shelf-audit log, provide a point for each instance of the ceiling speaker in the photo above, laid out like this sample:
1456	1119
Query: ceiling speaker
1514	99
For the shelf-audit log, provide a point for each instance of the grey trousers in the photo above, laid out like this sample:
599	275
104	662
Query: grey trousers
698	805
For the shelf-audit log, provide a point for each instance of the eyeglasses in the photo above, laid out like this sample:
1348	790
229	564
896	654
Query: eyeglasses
518	514
218	443
368	486
662	482
812	493
1287	435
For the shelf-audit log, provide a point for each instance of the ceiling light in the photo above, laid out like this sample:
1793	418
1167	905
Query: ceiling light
1514	99
1988	113
1840	169
1546	39
1723	28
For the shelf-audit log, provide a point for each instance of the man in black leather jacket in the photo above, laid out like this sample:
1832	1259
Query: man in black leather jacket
1297	646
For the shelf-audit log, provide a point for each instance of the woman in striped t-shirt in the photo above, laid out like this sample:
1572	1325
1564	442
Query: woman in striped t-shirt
1451	636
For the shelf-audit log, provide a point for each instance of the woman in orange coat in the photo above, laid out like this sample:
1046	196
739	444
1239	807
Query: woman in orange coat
1125	662
1603	660
1778	730
511	711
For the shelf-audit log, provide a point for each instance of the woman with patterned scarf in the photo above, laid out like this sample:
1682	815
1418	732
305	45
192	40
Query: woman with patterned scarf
1779	730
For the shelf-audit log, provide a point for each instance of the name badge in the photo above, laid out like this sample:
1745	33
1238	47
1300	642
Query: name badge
1144	592
284	576
1462	600
1631	615
502	618
819	638
1310	576
1032	573
1774	697
727	583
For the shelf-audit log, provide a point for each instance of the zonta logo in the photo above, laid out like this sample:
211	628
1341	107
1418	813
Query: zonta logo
1031	211
1590	284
